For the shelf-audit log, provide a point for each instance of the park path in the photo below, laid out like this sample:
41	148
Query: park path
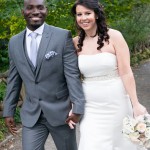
142	78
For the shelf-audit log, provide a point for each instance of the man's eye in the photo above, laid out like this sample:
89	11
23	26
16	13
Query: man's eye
41	7
29	7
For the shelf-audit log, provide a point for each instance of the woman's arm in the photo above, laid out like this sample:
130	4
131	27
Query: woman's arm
125	72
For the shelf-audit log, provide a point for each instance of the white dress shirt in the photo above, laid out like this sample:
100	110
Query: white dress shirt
38	38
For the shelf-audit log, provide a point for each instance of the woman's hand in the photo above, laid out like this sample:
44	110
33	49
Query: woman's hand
139	109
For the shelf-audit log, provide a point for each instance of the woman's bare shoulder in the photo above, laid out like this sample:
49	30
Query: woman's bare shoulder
114	33
75	41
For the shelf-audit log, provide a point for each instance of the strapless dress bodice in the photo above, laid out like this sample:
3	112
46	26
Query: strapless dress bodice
100	64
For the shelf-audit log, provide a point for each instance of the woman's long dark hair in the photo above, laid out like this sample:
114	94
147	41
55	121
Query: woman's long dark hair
101	22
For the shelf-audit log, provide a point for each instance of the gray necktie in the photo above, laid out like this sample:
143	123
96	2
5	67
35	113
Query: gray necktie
33	48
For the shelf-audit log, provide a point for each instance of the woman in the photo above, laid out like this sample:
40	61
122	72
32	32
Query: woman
108	81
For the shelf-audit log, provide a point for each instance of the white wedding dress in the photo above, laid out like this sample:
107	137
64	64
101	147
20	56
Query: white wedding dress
106	104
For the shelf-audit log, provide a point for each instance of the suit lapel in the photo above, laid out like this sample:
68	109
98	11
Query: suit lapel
21	45
43	46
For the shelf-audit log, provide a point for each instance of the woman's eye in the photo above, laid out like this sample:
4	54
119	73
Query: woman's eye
88	13
79	15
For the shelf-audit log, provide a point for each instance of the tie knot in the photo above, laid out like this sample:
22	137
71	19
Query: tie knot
33	35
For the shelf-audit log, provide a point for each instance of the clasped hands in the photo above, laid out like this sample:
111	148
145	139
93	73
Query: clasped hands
72	119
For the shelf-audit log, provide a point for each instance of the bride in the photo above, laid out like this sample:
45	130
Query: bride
108	81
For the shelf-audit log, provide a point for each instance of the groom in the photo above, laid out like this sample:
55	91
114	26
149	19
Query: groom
44	59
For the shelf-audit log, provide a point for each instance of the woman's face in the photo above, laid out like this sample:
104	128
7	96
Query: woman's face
86	18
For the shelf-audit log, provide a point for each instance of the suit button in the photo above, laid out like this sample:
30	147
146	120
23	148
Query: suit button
36	82
40	99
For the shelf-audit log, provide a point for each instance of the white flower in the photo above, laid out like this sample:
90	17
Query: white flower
141	127
147	133
147	116
137	130
134	136
128	125
147	144
147	119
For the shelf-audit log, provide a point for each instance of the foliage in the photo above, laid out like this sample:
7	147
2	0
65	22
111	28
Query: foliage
3	60
17	115
2	91
140	56
59	14
136	28
124	15
3	129
11	22
11	19
118	9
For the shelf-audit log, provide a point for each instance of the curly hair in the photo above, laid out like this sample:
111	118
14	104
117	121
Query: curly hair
102	29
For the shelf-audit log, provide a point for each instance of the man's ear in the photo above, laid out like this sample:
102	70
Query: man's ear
46	10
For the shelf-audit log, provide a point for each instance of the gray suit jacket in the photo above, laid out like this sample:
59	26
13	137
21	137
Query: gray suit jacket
53	86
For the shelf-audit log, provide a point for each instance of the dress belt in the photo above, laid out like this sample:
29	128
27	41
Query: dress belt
108	76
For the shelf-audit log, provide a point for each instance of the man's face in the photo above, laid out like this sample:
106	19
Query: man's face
34	13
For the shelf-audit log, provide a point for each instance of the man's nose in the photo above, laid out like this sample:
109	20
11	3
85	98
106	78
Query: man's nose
36	11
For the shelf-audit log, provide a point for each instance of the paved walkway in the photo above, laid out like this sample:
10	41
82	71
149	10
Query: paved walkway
142	77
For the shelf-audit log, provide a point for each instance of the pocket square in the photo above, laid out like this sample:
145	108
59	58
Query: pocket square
50	54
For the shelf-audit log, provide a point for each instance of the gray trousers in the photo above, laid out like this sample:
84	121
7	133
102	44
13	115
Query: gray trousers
34	138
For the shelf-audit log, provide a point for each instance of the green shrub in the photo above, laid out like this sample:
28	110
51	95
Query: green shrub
136	28
17	115
2	91
3	129
140	56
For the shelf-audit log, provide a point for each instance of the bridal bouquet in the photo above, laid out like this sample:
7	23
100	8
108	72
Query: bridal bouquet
138	130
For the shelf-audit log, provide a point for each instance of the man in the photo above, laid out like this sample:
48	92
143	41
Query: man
51	79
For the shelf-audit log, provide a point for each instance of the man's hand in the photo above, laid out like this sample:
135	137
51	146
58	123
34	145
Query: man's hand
72	120
10	123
